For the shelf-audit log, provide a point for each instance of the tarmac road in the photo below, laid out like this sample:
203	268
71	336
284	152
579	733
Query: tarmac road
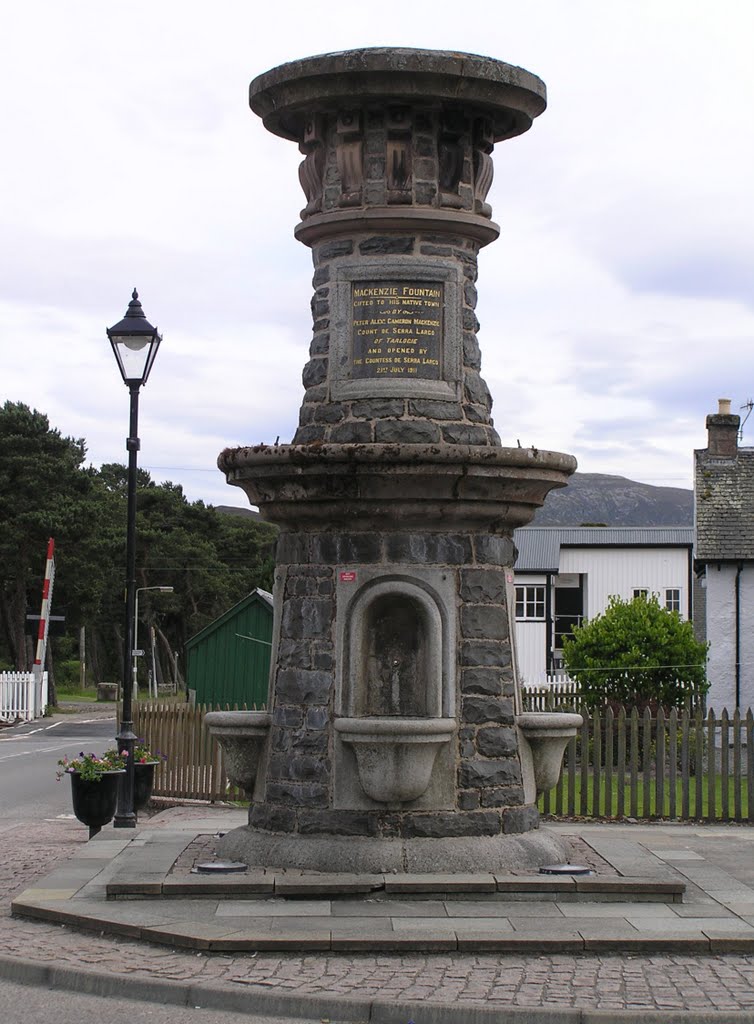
28	761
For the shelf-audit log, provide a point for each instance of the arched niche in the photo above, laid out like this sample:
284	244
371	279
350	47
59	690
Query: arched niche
396	660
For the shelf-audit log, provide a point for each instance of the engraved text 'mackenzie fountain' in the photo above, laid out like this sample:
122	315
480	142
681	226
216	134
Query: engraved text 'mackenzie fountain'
392	741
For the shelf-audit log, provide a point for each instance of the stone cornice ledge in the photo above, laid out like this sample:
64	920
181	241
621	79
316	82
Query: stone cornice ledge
334	224
362	485
286	96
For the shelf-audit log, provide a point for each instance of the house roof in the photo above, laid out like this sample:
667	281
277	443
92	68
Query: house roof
724	506
539	546
256	595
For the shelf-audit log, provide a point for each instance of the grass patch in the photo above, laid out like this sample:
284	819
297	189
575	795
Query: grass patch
86	696
601	804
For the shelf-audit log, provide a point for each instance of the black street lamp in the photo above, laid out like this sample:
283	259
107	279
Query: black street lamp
135	343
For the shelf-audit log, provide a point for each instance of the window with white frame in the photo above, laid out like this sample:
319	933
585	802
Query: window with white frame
640	592
673	599
530	602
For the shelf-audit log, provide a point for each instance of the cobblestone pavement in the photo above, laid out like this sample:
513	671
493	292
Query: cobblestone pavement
607	982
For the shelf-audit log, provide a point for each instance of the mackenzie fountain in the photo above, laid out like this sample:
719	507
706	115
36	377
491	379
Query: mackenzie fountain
395	738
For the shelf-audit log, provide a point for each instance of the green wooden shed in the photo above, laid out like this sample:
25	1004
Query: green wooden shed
228	662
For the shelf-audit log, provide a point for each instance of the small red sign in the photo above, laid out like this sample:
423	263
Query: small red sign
348	577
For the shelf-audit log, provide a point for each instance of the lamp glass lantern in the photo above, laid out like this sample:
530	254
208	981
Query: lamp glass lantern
134	342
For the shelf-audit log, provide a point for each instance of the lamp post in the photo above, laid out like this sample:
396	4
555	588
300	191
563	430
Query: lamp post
136	653
135	343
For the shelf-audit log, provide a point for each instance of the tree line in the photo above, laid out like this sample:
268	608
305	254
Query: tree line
210	558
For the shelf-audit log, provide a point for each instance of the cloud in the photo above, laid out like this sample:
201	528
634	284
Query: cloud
616	306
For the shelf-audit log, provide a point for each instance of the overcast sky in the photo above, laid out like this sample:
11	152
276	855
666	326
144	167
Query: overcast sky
616	307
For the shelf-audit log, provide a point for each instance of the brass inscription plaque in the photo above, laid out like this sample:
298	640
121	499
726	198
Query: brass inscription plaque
397	329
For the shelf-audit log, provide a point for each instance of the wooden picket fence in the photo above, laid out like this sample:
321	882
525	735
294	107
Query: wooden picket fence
684	765
194	767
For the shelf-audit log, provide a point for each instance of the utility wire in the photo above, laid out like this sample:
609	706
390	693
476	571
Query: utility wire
633	668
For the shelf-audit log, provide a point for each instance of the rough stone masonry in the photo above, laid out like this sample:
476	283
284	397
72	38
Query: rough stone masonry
393	741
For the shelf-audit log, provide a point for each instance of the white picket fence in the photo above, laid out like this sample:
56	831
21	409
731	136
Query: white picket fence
559	689
22	698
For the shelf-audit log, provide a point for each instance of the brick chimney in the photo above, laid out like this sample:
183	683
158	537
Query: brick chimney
722	431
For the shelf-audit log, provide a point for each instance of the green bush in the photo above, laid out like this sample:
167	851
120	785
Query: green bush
637	653
67	675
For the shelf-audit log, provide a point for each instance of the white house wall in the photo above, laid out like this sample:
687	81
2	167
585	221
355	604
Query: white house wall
721	633
531	640
620	571
531	652
747	637
607	571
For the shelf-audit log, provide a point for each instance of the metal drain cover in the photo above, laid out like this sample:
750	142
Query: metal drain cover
220	867
565	869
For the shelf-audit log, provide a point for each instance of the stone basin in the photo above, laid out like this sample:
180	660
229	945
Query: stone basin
395	756
241	735
546	735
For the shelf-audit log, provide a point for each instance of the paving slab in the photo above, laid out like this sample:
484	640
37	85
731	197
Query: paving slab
688	925
197	934
440	925
389	908
629	887
45	894
503	908
520	943
105	849
403	942
535	883
274	908
234	885
317	885
552	925
650	944
440	883
732	898
133	885
654	911
709	909
676	855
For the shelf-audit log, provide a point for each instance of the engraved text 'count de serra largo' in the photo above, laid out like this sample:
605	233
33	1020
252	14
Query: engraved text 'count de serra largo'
397	330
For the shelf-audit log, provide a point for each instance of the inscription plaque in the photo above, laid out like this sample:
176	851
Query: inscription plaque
397	329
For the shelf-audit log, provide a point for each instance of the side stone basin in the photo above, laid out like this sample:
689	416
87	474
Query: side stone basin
546	735
242	735
395	756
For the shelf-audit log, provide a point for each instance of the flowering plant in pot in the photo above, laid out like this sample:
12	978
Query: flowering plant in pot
143	755
92	767
94	785
145	761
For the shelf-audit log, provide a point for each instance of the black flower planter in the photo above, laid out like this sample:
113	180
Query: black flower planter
143	783
94	802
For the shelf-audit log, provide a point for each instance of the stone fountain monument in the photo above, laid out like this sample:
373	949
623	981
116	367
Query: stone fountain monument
395	739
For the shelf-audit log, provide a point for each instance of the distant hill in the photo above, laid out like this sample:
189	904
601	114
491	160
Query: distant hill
234	510
597	499
600	499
